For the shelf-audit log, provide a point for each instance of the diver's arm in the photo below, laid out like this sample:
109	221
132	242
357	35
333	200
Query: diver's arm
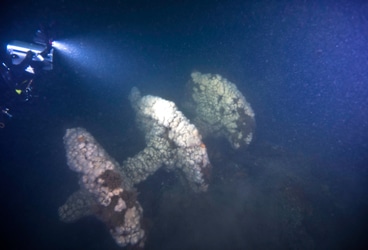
26	61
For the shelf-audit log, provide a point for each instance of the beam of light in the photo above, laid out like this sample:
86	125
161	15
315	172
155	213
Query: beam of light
65	48
95	57
68	49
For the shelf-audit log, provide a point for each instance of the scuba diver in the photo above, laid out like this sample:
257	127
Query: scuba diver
23	61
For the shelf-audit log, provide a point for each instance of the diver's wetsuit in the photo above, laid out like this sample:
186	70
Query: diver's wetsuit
15	85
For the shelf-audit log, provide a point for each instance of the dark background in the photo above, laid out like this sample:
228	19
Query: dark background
301	64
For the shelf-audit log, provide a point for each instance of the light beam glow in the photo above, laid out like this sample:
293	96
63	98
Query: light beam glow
94	57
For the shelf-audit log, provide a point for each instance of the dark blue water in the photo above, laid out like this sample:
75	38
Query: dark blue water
301	64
